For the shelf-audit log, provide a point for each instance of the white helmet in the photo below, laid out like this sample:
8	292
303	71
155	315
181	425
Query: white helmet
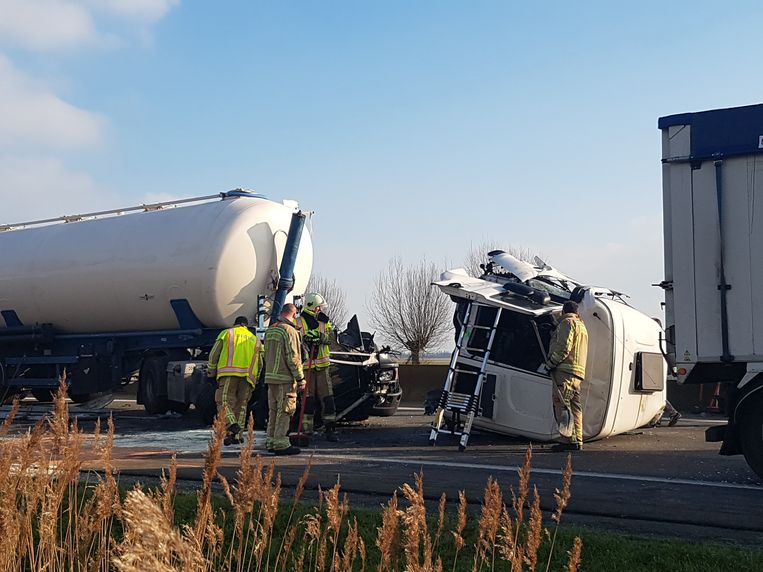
313	300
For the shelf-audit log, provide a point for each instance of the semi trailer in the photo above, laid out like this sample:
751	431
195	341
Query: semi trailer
142	291
712	173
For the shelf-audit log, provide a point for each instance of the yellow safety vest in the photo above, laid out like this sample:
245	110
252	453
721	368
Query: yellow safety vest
240	355
322	358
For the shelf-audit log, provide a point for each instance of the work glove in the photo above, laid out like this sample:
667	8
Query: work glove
321	317
312	337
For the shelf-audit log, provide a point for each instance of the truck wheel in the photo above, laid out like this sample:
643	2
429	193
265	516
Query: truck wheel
43	395
178	407
258	407
205	404
80	397
751	434
153	383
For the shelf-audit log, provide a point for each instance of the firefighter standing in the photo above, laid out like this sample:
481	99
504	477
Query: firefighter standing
283	374
316	333
567	362
235	361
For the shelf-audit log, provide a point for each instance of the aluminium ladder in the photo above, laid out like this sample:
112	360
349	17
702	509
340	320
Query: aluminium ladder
463	404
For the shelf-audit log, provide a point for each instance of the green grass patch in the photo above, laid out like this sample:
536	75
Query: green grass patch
602	551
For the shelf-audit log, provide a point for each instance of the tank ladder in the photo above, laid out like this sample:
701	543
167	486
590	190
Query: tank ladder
463	407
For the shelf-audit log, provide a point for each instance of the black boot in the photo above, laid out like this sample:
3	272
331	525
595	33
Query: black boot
233	435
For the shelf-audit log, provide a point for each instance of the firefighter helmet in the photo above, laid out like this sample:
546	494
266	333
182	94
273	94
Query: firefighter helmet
314	300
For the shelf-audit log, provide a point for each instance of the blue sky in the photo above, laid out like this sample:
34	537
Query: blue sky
413	129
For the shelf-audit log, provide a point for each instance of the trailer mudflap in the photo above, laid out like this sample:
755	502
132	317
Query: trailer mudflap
715	434
728	435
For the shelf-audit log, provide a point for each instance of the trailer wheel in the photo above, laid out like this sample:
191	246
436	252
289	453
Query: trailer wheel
178	407
43	395
7	394
751	434
153	377
205	404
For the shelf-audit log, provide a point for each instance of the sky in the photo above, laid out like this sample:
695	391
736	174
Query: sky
412	128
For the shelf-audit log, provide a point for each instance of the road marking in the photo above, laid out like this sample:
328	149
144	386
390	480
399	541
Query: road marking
515	468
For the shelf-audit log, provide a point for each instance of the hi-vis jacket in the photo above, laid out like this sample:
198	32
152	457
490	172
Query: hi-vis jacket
569	346
237	353
283	353
316	332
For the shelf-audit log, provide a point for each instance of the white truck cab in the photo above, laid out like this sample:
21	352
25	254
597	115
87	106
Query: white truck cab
624	385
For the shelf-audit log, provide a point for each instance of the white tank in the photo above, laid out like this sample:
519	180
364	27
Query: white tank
119	273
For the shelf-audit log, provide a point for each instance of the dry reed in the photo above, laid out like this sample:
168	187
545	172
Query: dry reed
51	522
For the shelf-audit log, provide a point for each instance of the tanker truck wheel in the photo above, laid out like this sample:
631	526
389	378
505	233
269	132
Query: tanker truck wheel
153	383
205	404
43	395
751	434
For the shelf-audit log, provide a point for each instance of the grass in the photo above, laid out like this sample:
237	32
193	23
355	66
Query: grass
604	551
50	520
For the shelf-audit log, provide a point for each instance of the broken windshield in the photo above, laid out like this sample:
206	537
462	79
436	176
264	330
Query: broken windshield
516	342
559	290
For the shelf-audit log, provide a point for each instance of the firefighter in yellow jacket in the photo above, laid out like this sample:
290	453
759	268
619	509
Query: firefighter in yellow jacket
283	376
567	362
316	329
235	360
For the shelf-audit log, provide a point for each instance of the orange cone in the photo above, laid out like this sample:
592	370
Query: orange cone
715	402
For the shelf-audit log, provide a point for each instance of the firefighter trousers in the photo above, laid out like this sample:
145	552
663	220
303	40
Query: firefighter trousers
567	394
282	403
320	399
232	397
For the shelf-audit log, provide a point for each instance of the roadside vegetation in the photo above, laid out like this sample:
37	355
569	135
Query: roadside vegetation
50	520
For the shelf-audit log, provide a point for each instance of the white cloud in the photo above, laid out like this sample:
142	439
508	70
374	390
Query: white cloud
31	115
36	188
148	10
45	24
37	126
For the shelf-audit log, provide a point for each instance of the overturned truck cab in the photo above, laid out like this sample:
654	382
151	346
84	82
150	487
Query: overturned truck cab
504	321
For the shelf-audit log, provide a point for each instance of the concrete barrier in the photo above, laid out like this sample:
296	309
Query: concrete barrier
417	380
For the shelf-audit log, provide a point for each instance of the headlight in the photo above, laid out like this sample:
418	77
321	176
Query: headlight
386	375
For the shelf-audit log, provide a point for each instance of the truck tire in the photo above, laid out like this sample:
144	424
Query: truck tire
205	404
81	397
751	435
153	383
178	407
43	395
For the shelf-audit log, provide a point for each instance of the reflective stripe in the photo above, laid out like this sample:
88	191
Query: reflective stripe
236	359
231	345
252	375
302	326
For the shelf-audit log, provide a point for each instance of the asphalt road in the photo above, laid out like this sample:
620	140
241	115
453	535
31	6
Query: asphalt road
661	481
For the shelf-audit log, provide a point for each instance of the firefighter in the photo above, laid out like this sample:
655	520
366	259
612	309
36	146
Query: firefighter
316	327
567	362
283	375
235	361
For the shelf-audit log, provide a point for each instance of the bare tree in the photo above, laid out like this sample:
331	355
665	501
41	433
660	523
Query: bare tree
335	298
408	311
477	254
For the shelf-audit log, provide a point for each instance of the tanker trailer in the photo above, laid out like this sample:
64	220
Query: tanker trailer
145	289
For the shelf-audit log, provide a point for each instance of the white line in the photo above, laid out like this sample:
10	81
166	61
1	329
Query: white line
515	468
